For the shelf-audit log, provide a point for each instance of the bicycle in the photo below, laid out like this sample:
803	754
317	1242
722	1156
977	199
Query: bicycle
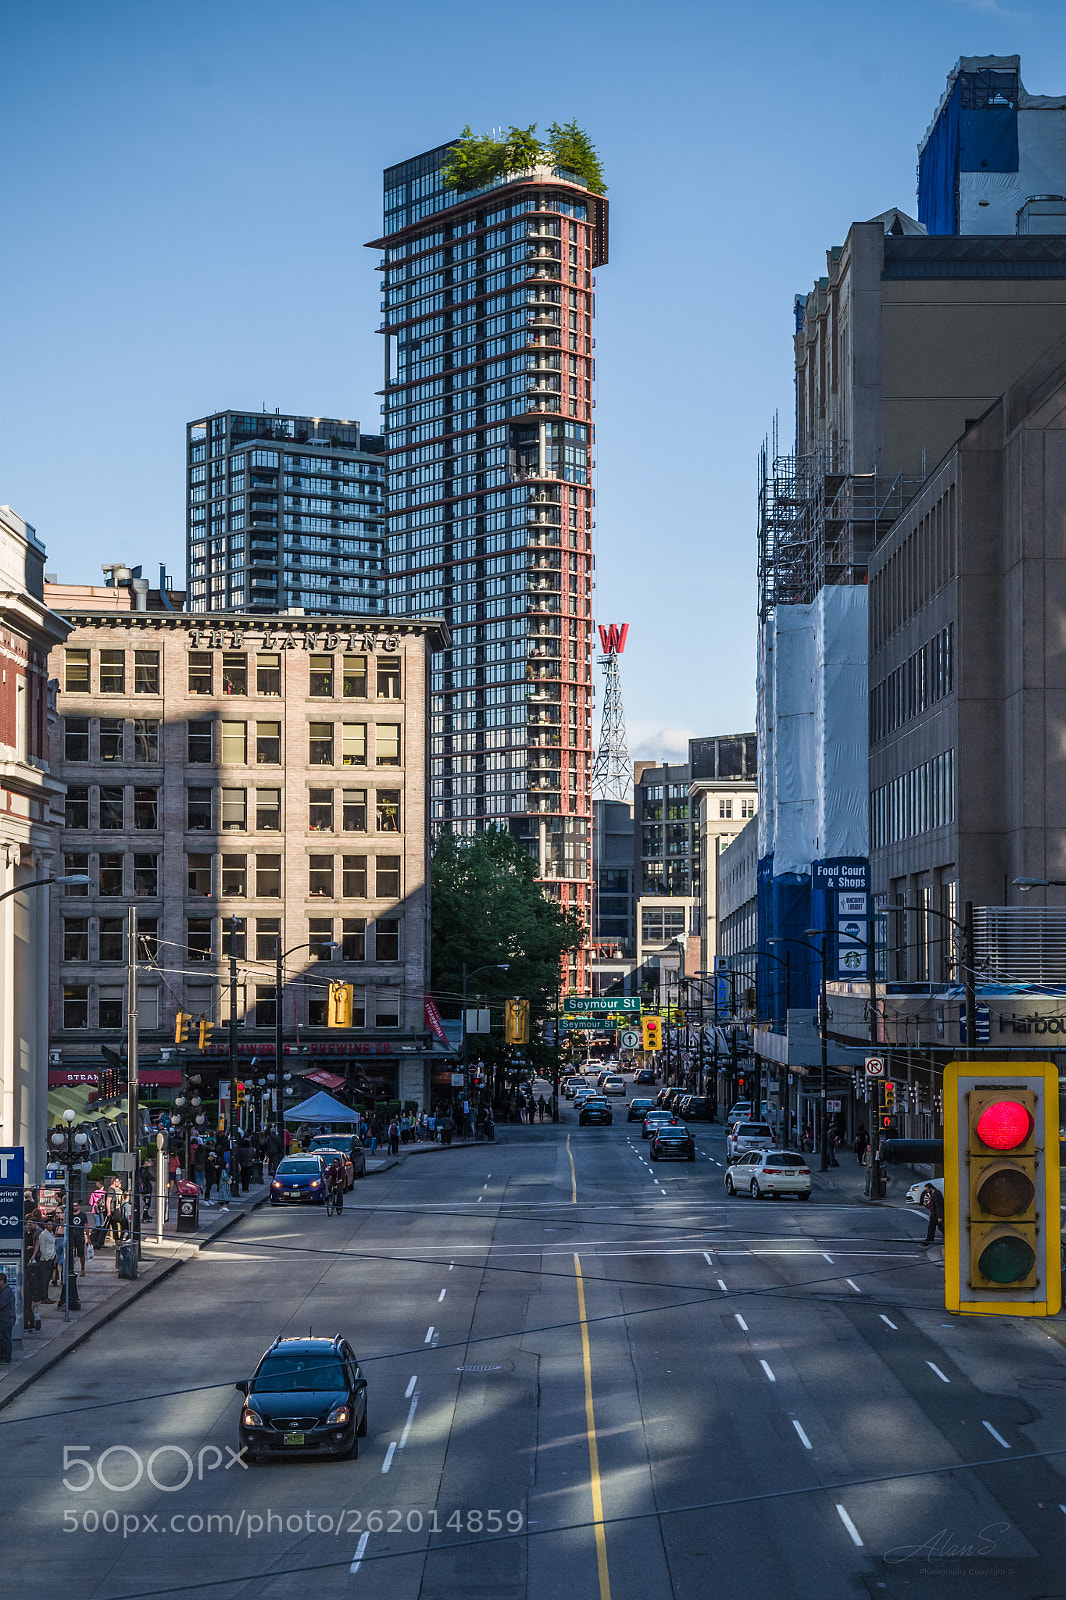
333	1201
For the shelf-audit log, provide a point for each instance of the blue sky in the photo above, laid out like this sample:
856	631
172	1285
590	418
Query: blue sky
189	187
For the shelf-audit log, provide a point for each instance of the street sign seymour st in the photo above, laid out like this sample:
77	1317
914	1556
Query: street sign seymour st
586	1005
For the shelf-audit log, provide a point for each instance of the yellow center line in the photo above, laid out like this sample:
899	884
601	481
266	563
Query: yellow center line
573	1175
590	1428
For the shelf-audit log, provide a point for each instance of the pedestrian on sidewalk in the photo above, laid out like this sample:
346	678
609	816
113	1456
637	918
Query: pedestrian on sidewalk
145	1188
78	1225
173	1172
447	1128
43	1262
224	1191
61	1257
199	1166
113	1202
394	1137
212	1168
7	1318
542	1108
936	1216
862	1139
245	1158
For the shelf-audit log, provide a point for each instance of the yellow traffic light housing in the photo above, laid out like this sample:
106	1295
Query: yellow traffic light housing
652	1029
1002	1231
339	1010
516	1021
205	1034
181	1027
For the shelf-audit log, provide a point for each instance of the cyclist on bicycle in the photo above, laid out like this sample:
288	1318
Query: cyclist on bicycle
335	1181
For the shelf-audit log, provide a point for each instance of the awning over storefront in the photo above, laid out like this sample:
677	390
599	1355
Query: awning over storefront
328	1080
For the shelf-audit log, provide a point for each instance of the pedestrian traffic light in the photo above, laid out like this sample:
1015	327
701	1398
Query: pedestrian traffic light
652	1029
1002	1245
516	1021
181	1027
339	1009
205	1034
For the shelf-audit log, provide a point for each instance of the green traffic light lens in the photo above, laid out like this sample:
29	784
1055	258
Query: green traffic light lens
1007	1259
1005	1193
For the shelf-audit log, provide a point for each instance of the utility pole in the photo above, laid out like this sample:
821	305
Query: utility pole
233	1009
133	1131
969	978
823	1030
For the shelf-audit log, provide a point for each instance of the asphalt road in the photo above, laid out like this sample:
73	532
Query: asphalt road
588	1378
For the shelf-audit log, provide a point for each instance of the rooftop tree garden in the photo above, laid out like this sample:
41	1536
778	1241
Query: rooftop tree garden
478	159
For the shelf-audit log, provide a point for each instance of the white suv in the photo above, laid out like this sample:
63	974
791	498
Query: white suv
769	1172
614	1083
748	1136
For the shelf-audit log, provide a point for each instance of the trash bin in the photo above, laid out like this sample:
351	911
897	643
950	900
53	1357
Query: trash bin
188	1213
126	1256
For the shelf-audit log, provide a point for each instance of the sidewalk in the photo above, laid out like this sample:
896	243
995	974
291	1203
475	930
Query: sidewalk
103	1294
849	1180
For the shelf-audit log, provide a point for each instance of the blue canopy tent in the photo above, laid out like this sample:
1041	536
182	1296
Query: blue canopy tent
322	1108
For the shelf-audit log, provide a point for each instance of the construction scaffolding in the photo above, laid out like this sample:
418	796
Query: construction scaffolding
818	522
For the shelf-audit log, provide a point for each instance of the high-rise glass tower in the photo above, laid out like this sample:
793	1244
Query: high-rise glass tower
488	303
284	512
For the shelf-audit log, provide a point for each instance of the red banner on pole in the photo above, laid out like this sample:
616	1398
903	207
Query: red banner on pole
433	1022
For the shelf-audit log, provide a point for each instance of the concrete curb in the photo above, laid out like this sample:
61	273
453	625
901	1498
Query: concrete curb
75	1334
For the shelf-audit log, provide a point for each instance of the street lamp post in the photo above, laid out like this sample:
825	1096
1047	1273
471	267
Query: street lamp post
68	1148
277	1091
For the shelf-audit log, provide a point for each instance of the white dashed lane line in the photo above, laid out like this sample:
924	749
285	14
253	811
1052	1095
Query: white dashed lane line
830	1261
440	1297
741	1321
389	1453
934	1368
853	1285
708	1260
429	1335
998	1437
804	1441
721	1285
407	1424
888	1322
409	1391
765	1365
360	1552
852	1529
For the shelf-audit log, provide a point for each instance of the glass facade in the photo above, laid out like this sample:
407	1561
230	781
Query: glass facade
488	312
284	512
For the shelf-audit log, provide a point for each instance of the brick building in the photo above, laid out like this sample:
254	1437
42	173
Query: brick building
267	769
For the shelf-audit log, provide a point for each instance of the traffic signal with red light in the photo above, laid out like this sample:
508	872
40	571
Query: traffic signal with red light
652	1030
1002	1245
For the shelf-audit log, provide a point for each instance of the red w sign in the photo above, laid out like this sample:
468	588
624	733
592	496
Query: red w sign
613	638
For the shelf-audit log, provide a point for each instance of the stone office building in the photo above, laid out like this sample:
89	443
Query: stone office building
249	780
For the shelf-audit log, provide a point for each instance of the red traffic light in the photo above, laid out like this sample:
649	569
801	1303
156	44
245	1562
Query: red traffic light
1004	1125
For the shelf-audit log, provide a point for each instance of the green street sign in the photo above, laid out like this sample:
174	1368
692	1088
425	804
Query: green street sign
585	1005
601	1023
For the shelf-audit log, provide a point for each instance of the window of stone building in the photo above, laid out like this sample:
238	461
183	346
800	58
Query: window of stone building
146	672
199	880
112	672
268	877
76	671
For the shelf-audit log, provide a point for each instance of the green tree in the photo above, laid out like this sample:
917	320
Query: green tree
572	148
488	910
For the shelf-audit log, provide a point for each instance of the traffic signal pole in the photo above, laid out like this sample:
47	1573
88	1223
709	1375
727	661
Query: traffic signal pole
133	1130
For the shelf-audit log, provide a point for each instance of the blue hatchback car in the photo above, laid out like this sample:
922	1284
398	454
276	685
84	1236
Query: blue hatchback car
299	1179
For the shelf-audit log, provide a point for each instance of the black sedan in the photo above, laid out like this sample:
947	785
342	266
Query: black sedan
638	1109
307	1397
700	1108
299	1179
673	1142
596	1110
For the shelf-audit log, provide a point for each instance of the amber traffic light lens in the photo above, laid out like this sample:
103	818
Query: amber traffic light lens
1005	1192
1004	1125
1007	1260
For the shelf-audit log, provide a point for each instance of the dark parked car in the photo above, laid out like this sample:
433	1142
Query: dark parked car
596	1110
673	1142
299	1179
307	1397
638	1109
